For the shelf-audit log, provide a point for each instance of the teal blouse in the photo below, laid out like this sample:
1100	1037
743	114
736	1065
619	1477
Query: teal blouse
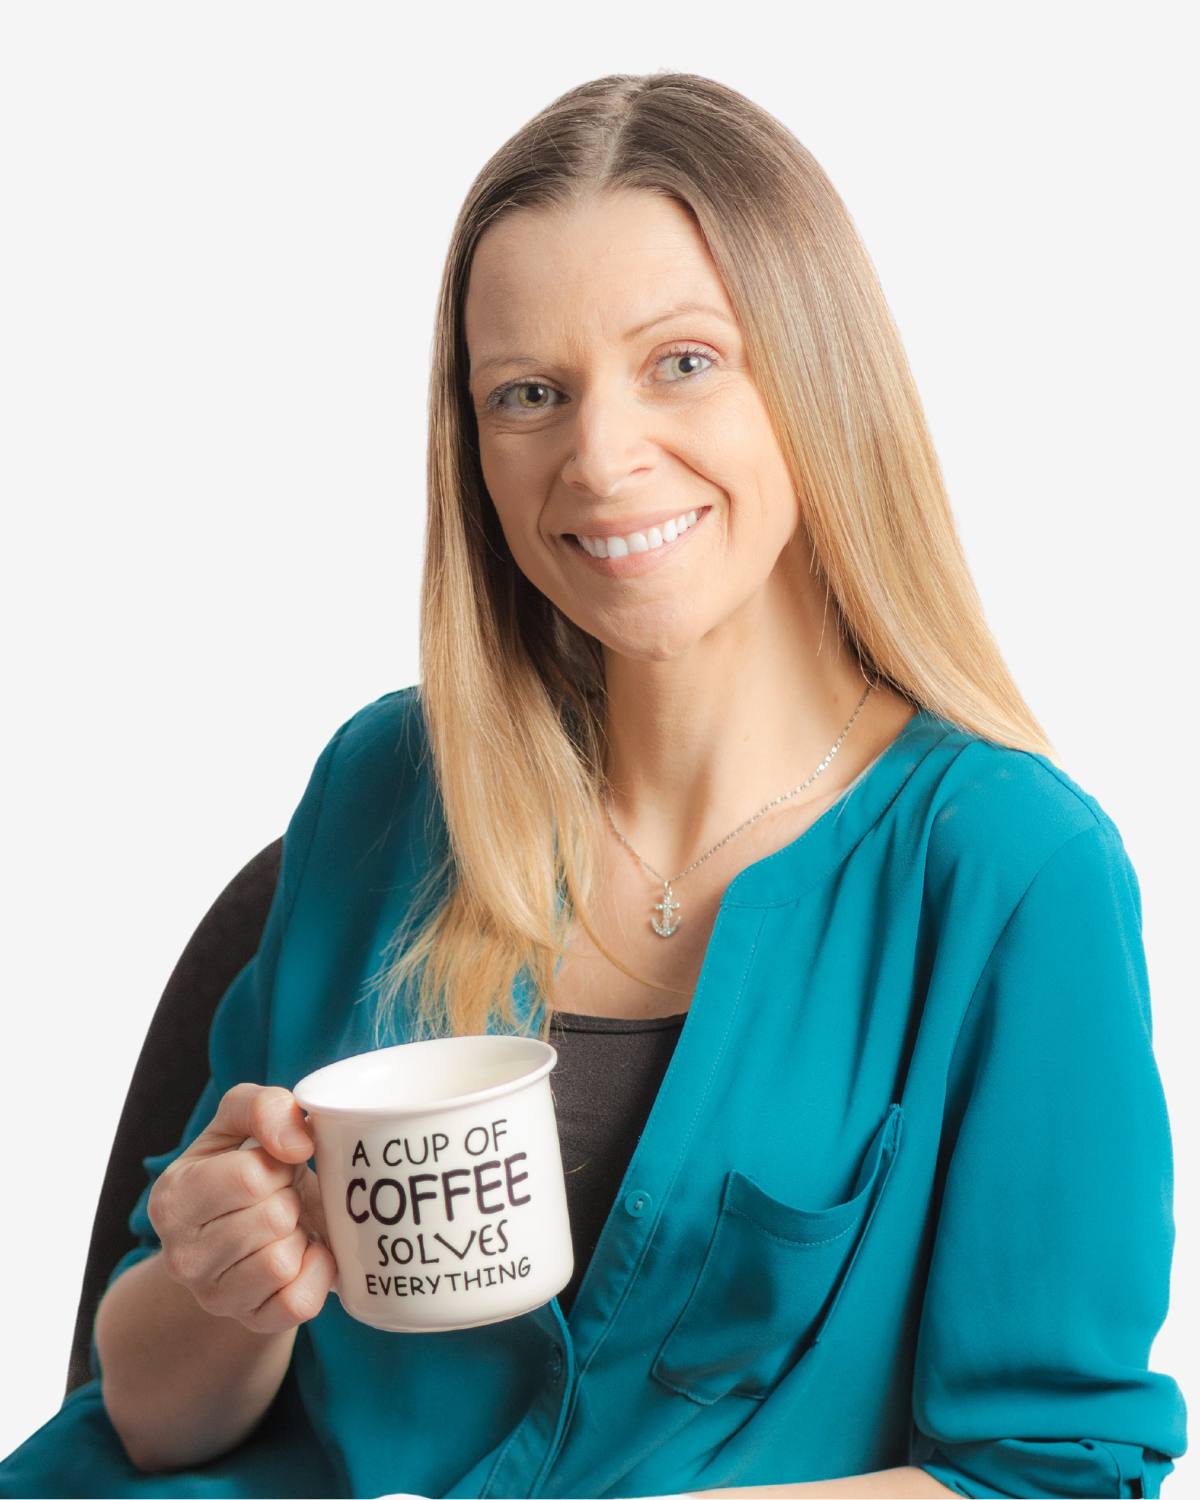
904	1195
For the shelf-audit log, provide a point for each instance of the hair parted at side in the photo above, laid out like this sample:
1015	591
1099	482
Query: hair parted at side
513	692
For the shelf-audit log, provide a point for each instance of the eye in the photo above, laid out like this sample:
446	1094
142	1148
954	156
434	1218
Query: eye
497	400
688	354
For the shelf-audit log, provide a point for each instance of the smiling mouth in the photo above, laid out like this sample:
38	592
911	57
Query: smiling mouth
633	562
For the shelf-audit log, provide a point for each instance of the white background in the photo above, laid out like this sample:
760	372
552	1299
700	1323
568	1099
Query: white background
221	230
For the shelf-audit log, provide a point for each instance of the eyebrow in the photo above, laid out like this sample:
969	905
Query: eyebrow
630	333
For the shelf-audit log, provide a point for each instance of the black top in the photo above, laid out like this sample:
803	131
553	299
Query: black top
608	1072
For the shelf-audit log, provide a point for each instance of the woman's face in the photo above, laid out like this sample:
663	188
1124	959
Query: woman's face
602	412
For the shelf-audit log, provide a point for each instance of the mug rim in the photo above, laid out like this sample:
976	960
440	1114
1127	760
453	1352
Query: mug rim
438	1106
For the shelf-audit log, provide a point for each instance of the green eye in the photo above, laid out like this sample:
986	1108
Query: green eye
690	354
531	385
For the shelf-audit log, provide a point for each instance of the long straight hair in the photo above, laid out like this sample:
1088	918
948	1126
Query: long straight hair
513	692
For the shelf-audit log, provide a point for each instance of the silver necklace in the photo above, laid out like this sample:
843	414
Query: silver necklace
670	908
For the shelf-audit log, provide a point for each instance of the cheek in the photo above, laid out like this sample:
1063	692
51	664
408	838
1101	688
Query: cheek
765	505
512	495
734	448
519	510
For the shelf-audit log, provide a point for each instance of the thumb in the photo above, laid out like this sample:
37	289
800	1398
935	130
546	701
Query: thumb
252	1114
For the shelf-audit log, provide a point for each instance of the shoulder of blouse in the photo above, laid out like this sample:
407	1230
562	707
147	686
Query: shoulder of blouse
994	814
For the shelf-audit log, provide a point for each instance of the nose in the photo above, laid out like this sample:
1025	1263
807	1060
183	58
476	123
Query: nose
611	446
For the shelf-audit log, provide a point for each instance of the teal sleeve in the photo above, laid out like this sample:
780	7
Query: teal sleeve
1050	1267
237	1041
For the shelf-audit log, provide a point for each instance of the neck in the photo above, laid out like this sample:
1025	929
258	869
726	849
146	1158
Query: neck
697	744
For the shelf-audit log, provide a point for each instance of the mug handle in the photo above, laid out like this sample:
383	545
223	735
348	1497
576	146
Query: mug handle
250	1144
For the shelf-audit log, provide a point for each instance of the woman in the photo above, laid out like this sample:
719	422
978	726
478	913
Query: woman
715	777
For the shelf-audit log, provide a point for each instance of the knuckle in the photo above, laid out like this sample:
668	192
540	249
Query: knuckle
251	1175
275	1217
178	1260
283	1259
236	1092
264	1107
154	1211
284	1211
253	1320
301	1301
209	1297
160	1205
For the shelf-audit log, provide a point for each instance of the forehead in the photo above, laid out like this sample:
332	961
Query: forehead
590	270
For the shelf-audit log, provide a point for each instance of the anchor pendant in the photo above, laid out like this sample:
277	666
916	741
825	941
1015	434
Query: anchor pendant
668	906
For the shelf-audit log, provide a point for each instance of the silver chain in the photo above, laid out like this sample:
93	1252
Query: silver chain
668	906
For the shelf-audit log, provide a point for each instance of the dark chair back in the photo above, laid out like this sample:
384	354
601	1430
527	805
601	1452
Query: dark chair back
171	1073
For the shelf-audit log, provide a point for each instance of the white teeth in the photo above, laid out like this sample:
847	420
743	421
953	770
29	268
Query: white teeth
638	541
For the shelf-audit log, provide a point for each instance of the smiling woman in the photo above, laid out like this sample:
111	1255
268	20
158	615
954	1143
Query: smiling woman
640	409
868	1161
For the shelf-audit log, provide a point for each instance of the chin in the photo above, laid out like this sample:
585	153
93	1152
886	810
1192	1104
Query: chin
651	645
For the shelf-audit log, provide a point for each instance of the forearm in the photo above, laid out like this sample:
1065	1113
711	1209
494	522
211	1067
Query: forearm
181	1386
906	1483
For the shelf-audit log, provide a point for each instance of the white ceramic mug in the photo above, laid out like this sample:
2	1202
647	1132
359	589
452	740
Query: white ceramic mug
441	1180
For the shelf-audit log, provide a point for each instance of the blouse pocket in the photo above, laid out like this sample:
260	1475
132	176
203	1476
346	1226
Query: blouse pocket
769	1282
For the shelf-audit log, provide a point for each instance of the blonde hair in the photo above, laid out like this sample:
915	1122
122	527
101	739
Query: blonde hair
511	690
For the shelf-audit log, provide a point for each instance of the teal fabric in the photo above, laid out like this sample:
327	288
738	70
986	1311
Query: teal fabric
904	1196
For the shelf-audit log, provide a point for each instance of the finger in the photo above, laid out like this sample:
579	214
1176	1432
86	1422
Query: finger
252	1280
232	1238
303	1297
269	1114
195	1191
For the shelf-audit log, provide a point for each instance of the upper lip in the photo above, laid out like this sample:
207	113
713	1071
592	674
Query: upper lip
642	523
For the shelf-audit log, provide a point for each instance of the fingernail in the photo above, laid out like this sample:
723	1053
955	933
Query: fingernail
294	1138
